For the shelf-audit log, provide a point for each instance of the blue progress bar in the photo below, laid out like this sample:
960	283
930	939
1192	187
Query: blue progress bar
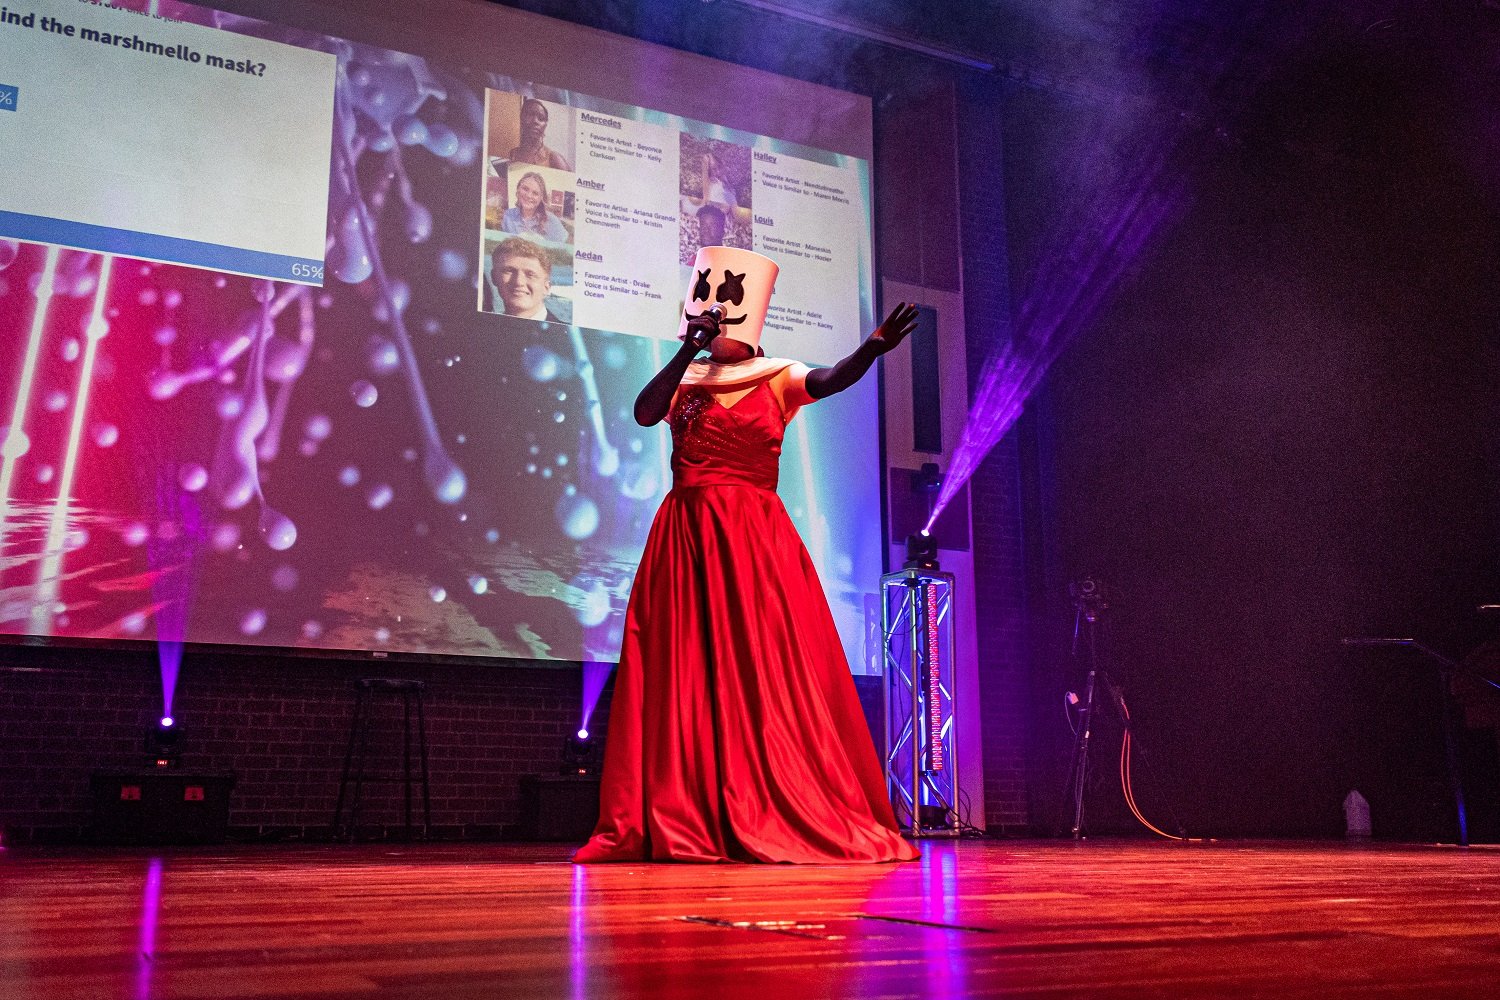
166	249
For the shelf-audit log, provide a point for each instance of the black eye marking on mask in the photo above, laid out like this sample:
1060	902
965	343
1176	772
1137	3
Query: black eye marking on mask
700	290
733	288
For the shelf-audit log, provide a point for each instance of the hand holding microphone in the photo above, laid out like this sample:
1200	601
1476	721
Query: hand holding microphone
703	328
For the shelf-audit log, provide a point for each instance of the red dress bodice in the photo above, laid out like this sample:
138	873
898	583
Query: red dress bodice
716	445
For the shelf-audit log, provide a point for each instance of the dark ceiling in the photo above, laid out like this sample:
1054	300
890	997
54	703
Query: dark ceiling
1331	80
1174	46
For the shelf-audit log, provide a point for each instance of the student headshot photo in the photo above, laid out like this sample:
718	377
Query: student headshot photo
533	212
714	194
527	130
521	276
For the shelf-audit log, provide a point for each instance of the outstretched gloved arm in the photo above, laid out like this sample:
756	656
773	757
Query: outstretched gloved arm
824	382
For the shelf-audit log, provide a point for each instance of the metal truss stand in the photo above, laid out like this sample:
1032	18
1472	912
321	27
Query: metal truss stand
921	731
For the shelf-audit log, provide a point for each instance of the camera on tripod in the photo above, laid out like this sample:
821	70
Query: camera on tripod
1089	594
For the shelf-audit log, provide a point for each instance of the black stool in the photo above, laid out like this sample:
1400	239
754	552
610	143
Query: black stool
357	756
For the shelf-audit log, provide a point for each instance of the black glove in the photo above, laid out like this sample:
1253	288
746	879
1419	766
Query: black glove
889	334
703	328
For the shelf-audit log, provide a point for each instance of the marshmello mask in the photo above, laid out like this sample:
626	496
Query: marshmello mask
740	282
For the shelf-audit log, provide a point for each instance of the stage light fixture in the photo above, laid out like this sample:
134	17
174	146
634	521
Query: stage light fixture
921	551
580	754
162	742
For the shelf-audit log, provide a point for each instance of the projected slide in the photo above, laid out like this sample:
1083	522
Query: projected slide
616	205
164	141
429	449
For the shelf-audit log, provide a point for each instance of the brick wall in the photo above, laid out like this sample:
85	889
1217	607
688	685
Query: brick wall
998	559
281	724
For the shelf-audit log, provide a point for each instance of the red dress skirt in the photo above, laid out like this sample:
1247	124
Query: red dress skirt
735	732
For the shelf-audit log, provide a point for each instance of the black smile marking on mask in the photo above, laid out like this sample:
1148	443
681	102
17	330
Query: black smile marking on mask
726	321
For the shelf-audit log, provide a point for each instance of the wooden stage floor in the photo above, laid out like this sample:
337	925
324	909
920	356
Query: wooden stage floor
1046	919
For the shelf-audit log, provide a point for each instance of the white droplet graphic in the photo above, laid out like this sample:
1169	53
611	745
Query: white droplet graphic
577	516
229	405
364	394
253	622
541	364
192	477
225	536
382	355
591	605
277	529
285	359
452	266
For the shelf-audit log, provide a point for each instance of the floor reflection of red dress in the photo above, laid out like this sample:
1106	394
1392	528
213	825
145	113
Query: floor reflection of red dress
735	732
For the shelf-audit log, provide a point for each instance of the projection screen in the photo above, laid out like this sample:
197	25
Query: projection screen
260	382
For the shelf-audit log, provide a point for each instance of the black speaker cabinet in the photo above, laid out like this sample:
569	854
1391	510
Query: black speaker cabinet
558	807
926	384
160	807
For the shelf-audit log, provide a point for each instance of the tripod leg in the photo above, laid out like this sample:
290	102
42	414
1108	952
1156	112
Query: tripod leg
1450	747
1078	773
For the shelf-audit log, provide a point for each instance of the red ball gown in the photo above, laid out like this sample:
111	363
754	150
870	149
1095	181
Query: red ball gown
735	733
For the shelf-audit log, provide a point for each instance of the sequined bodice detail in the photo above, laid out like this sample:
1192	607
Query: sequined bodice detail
714	445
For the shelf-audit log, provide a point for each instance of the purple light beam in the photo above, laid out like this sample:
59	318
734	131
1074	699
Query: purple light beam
1072	285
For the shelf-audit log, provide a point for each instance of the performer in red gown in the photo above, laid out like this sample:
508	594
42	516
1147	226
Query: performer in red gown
735	733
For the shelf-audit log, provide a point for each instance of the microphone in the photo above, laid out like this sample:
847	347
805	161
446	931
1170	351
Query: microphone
706	331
